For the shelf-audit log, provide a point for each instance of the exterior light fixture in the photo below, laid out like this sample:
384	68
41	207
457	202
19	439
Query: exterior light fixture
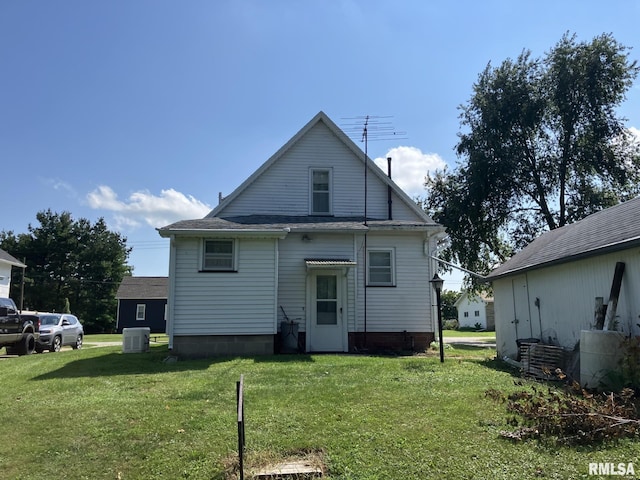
437	283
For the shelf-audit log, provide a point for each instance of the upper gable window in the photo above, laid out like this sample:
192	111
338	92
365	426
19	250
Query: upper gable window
320	191
219	255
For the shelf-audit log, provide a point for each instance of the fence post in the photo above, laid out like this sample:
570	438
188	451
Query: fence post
240	409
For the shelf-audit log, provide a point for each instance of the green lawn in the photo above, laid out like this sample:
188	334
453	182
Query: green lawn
457	333
97	413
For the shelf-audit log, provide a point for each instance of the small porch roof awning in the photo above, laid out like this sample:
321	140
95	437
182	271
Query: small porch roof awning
328	263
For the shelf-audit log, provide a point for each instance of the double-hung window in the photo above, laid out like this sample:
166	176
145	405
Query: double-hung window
320	191
219	255
381	267
140	311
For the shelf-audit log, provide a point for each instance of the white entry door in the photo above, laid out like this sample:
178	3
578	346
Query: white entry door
326	329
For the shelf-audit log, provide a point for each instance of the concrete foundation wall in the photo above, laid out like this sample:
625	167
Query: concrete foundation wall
219	345
390	341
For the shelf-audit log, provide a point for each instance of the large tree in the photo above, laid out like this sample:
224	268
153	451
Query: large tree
541	147
71	264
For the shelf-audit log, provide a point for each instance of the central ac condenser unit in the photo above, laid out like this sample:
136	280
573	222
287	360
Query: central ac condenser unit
135	340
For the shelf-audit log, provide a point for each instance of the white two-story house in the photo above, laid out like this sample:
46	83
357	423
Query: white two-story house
318	235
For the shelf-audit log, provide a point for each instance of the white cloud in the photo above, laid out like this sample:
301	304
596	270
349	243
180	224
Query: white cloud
60	186
145	208
409	167
635	132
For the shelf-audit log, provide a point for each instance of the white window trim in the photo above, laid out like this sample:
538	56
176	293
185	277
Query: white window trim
143	311
234	255
318	169
392	252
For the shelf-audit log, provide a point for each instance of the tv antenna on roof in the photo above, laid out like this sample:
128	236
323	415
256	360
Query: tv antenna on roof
374	128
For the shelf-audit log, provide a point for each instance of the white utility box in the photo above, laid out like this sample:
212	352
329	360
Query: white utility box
135	340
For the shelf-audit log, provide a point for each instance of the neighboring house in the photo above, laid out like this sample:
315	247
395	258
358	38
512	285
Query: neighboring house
292	240
475	310
142	302
548	290
6	263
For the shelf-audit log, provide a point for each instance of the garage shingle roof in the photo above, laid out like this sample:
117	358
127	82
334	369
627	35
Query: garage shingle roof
143	288
6	258
614	228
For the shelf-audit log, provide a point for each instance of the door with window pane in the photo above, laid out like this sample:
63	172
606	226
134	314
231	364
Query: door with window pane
326	329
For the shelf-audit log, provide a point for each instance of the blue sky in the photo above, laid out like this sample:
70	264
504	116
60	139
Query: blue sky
141	111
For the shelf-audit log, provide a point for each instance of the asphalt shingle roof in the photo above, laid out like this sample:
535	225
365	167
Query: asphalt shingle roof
611	229
6	258
300	223
143	288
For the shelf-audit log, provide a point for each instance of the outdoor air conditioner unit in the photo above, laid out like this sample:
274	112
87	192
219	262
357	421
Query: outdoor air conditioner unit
135	340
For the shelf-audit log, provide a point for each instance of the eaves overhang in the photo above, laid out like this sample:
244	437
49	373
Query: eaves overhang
615	247
278	233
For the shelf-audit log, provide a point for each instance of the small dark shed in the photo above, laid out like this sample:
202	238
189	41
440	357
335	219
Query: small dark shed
142	302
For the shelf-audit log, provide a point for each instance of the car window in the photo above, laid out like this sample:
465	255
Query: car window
49	320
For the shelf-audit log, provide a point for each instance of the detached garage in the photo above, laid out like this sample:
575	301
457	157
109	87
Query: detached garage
550	289
142	302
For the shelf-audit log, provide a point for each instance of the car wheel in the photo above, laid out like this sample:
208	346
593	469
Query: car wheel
27	345
56	344
78	343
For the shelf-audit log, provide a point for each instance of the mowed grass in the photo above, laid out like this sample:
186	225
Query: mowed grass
97	413
459	333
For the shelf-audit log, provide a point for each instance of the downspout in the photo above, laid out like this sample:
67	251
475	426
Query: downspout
365	290
172	289
355	286
276	261
389	188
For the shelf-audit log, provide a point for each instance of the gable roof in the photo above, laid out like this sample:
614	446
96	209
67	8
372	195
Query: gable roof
476	297
612	229
6	258
322	117
143	288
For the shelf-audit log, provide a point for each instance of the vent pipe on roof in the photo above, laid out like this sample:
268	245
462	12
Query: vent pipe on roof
389	187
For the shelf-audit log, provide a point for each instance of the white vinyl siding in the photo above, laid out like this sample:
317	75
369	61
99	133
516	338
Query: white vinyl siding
216	303
380	267
565	294
409	305
283	189
140	311
292	273
218	255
